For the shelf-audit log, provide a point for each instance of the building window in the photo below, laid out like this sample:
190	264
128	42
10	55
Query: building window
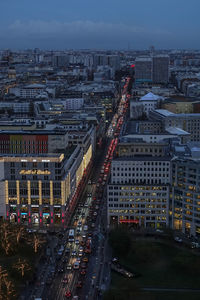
34	164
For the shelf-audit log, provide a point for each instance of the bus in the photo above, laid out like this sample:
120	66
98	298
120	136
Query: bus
71	235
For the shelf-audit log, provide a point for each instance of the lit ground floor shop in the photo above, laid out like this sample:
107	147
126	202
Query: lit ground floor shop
38	215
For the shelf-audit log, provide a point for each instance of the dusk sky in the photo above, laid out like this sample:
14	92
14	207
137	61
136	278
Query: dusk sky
103	24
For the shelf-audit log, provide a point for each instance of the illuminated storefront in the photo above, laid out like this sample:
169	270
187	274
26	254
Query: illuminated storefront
39	188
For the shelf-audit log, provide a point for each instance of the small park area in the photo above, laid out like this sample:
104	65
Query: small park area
164	270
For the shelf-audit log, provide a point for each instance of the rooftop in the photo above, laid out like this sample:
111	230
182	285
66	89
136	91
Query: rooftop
150	97
177	131
143	158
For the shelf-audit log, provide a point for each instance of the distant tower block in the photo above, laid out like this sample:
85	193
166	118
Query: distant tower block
152	50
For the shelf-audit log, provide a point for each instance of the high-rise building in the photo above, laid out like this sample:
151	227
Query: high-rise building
60	60
160	68
107	60
143	69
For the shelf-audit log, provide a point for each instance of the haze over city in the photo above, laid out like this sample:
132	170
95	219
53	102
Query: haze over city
99	150
113	24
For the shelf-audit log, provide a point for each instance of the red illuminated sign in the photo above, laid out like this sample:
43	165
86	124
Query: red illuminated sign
129	221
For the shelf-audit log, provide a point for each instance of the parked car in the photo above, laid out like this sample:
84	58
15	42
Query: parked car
195	245
178	239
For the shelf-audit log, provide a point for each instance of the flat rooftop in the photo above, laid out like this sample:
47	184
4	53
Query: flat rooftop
143	158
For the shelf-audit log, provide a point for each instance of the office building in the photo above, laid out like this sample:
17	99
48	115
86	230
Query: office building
187	122
138	191
186	192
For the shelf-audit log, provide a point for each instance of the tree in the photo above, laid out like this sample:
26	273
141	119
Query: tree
20	232
22	266
6	237
37	242
6	286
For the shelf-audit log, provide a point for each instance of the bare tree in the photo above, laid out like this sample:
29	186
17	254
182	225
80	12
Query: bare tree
20	232
7	235
6	286
37	242
22	266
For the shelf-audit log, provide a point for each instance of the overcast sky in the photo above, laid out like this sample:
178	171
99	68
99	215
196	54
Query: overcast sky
100	24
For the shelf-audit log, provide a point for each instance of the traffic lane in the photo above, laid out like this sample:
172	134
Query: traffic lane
93	266
73	247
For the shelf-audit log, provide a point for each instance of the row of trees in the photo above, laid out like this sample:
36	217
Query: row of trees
7	288
11	237
18	251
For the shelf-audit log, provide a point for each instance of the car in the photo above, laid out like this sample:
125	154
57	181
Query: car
82	243
60	270
82	272
92	225
78	259
79	284
95	213
80	253
69	267
67	250
77	242
74	253
195	245
159	231
68	294
65	279
85	259
79	223
87	250
31	230
78	230
83	265
75	298
178	239
76	265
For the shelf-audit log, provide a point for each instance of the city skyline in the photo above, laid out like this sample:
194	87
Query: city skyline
103	25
